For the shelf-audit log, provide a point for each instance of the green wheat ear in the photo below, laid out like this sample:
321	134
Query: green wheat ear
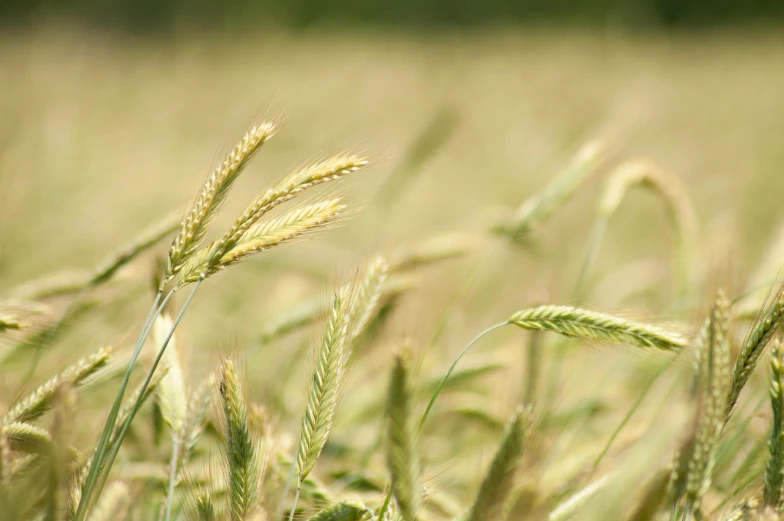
774	479
347	511
241	449
693	468
499	481
402	455
591	325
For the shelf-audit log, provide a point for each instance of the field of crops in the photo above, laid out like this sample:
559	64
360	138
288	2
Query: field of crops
593	220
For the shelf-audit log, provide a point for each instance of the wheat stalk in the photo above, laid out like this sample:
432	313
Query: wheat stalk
402	454
195	224
241	448
138	396
590	325
35	404
645	173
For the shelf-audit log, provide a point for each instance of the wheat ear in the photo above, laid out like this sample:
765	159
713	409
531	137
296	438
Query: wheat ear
195	224
693	468
35	404
402	454
499	481
434	250
260	237
753	348
241	448
367	299
775	465
314	174
646	174
745	510
538	208
323	394
113	504
344	511
325	386
590	325
171	392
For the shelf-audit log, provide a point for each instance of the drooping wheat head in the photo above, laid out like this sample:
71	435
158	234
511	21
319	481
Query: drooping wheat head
591	325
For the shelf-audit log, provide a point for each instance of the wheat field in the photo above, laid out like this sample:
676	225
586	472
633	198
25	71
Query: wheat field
508	274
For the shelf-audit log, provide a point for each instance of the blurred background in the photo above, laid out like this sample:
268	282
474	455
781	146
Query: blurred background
112	114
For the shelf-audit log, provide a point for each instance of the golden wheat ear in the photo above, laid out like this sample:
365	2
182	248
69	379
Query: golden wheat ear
212	195
261	237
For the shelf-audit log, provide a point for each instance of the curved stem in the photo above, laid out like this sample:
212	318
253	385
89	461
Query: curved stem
629	415
100	451
452	368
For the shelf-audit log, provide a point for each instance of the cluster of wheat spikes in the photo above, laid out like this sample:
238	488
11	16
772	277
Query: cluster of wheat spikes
217	454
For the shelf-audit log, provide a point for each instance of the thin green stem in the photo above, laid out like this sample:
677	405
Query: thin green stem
115	448
452	368
296	500
172	477
629	415
100	451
